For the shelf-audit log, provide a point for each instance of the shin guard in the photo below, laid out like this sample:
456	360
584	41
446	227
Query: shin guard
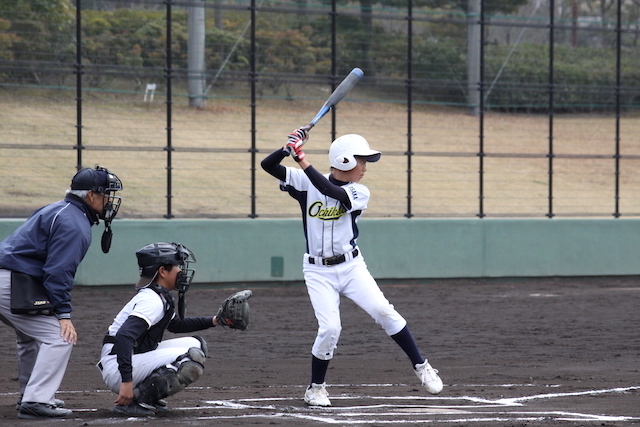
168	380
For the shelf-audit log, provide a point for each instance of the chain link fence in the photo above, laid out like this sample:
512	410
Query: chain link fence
479	111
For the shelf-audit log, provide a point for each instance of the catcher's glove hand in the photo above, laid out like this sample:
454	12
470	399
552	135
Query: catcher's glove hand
234	311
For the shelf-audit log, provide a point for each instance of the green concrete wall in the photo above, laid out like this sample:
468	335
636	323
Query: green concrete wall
248	250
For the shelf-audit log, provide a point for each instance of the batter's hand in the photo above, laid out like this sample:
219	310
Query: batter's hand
301	133
296	139
295	150
125	396
68	331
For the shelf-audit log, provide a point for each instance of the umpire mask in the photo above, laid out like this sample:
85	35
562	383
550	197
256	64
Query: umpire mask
101	180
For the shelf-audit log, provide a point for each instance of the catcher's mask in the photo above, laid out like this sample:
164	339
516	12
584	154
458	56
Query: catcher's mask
152	256
345	149
101	180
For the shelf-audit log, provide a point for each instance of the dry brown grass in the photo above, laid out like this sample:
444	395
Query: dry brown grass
212	165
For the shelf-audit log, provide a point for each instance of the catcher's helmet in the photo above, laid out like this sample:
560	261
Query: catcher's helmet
154	255
344	150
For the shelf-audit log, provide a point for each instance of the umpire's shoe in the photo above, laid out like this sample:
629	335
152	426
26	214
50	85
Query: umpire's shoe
56	402
36	410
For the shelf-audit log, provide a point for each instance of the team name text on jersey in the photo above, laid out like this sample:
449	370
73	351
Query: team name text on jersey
317	210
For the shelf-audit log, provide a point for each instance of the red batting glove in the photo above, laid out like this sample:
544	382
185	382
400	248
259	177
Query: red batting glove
294	147
300	136
296	140
301	133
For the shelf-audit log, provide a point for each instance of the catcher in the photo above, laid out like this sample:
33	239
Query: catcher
135	362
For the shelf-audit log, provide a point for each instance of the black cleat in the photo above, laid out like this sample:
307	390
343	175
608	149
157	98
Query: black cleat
134	409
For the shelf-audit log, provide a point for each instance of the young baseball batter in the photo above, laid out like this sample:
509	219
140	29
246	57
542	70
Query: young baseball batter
333	264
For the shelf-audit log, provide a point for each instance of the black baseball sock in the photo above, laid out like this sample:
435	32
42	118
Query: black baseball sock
318	370
407	343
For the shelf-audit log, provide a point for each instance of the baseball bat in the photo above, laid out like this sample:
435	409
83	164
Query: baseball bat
341	91
336	96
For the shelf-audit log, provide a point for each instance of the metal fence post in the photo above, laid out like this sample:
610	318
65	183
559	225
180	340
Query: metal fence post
550	154
78	71
253	109
169	76
481	85
409	152
616	212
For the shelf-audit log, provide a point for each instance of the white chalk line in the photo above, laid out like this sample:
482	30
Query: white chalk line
579	393
304	386
365	414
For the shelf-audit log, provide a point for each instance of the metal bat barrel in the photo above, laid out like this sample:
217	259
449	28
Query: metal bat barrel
339	93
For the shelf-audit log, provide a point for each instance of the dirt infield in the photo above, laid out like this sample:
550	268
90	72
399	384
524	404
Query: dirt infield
511	352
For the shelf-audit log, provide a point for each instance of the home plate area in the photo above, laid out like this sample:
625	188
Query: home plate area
524	405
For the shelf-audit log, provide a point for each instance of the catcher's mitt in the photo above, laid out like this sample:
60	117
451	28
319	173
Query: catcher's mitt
234	311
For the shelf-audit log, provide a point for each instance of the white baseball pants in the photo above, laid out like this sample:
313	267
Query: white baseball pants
352	279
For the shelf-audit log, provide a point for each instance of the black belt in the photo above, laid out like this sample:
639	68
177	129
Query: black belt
334	260
110	339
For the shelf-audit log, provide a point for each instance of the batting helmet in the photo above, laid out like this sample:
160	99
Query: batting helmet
152	256
344	150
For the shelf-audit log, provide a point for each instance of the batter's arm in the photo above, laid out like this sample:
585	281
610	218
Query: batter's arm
271	165
326	187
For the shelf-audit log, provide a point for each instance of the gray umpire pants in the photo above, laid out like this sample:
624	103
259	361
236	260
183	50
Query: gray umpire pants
42	353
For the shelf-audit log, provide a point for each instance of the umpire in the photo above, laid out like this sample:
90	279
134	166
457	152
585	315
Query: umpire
44	252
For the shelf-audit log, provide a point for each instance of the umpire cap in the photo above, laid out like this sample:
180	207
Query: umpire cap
100	180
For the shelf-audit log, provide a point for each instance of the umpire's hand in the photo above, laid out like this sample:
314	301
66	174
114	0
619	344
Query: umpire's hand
68	332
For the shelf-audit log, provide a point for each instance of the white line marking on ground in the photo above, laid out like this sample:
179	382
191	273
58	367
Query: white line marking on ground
475	409
507	401
408	410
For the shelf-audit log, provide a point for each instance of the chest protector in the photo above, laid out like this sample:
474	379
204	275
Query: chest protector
153	336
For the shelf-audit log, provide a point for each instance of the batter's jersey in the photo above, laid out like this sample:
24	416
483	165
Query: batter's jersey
329	228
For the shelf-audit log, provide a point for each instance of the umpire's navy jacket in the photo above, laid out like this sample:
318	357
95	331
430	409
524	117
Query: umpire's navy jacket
49	245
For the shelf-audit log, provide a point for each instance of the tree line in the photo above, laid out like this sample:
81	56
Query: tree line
132	39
